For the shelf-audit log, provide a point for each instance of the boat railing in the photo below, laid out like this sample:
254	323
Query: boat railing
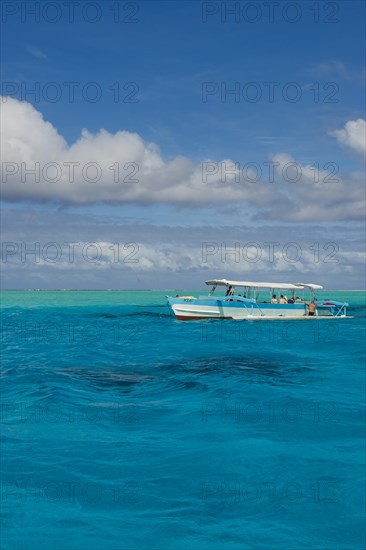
245	301
339	307
255	303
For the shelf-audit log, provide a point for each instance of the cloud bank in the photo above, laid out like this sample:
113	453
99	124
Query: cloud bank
40	250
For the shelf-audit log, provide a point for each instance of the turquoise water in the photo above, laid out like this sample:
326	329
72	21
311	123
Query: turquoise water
124	428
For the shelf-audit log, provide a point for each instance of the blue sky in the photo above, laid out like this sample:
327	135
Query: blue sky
175	60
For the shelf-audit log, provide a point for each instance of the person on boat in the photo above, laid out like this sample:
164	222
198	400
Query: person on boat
291	300
274	299
283	299
312	308
229	291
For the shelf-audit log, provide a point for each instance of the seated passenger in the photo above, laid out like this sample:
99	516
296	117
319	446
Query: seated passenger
274	299
283	299
291	300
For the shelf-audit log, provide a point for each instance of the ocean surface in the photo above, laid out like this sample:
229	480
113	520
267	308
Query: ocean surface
123	428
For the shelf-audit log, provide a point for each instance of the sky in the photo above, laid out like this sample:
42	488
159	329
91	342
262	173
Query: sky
159	144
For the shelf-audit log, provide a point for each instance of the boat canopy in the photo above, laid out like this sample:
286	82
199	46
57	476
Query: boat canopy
284	286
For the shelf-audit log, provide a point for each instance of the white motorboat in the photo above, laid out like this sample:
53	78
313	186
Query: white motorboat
257	300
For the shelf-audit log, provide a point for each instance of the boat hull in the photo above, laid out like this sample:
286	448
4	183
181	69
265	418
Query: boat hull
206	308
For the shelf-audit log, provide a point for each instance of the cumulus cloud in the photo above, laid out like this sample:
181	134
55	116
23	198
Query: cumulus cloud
353	135
39	165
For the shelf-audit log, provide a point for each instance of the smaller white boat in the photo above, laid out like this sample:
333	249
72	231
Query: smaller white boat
256	300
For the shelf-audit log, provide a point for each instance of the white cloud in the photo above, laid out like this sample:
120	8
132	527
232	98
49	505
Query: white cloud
39	165
353	135
126	168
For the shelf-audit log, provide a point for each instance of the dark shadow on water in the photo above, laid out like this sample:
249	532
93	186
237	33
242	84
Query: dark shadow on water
111	378
248	368
195	374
